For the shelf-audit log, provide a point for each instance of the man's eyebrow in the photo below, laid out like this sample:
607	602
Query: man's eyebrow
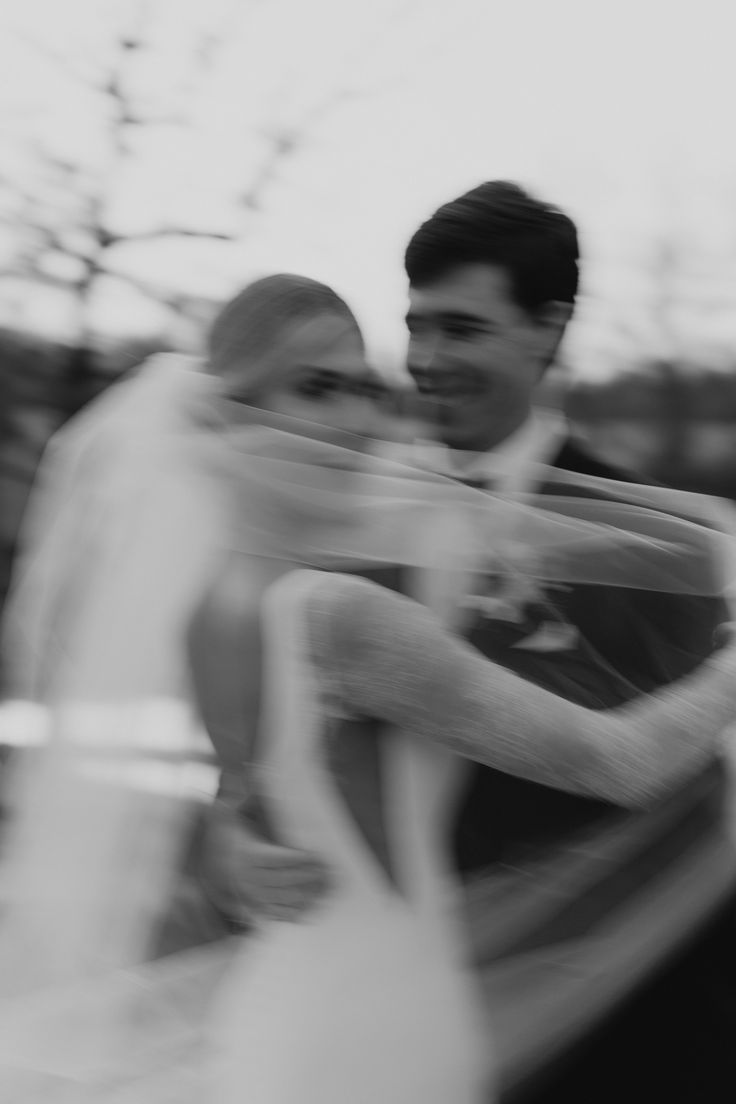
463	316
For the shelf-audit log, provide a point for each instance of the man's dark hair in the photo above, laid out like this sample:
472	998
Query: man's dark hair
498	223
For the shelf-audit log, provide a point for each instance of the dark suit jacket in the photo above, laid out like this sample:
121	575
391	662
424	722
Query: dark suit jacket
573	902
630	643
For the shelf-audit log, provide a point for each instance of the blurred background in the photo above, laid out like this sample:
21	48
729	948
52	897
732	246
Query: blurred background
156	155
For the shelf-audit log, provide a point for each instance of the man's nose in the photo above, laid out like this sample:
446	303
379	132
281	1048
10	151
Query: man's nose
429	376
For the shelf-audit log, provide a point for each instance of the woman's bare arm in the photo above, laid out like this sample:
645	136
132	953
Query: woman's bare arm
386	656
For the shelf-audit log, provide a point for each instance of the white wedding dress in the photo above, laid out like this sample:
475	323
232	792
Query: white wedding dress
368	999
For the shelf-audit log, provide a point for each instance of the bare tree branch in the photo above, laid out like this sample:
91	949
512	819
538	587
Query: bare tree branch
57	59
128	46
37	276
66	209
213	42
172	232
154	290
288	141
285	142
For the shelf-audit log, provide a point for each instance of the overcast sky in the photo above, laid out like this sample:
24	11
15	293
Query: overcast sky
621	112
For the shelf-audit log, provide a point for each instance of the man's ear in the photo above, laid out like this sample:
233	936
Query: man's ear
551	321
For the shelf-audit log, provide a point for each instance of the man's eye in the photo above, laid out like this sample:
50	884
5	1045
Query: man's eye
463	333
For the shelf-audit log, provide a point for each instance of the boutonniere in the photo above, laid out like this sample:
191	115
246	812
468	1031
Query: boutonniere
511	590
552	636
505	597
507	585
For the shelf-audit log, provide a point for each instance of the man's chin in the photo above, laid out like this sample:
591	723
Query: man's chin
475	442
458	436
488	434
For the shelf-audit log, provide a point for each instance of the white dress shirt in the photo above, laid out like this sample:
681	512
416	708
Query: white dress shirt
510	468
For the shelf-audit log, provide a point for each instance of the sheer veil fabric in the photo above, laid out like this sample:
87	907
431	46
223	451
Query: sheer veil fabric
167	471
138	503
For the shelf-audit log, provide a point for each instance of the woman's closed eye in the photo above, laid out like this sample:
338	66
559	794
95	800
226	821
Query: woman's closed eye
317	385
323	384
373	390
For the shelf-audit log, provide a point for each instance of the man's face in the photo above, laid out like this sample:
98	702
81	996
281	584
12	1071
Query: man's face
476	353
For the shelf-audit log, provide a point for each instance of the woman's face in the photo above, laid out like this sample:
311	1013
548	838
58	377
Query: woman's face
321	377
328	406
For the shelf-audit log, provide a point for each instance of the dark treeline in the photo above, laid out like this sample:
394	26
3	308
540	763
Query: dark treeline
42	385
673	422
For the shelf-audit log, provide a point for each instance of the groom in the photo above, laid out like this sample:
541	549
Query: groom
493	278
573	905
492	283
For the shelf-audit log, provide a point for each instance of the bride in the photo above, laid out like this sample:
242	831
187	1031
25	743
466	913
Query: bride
343	708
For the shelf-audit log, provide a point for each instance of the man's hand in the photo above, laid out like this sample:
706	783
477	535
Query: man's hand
249	878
